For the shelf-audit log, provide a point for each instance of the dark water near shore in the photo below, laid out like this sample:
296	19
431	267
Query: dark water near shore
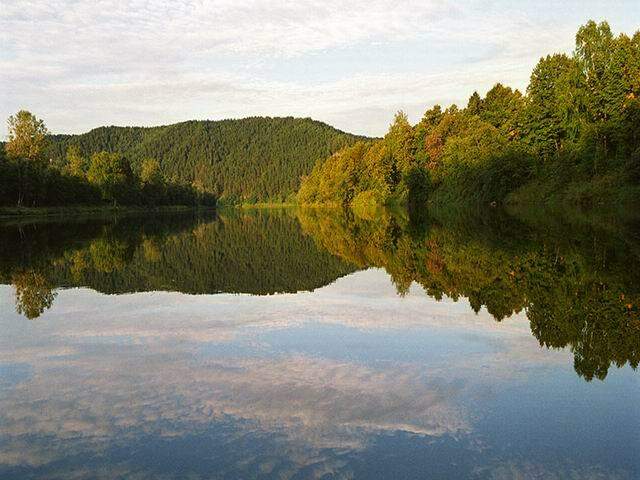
312	344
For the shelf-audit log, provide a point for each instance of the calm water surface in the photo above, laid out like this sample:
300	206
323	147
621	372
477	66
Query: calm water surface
310	344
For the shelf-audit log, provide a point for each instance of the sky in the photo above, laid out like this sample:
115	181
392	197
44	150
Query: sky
82	64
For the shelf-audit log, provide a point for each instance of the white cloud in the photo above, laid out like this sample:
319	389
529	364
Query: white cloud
83	64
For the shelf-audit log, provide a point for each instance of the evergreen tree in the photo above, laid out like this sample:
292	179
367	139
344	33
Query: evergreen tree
474	106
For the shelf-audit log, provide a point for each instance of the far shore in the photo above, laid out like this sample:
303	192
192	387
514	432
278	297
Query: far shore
90	210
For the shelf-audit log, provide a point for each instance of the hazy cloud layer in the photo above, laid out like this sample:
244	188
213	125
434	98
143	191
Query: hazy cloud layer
84	64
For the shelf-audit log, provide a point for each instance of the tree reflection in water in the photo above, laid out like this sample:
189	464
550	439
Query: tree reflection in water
578	285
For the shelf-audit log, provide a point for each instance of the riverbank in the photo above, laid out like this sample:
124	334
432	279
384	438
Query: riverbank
91	210
609	193
263	205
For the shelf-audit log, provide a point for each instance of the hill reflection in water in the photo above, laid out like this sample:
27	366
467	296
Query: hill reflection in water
578	286
311	344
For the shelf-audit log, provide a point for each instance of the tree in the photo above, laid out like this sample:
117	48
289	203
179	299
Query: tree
261	158
474	106
76	163
581	115
551	111
501	108
25	147
417	181
452	123
150	172
109	172
27	136
202	176
602	64
27	179
430	120
399	140
34	293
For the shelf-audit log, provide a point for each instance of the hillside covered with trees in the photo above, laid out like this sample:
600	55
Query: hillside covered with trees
572	138
256	159
29	177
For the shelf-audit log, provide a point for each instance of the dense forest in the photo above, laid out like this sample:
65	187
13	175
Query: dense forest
30	178
572	138
580	291
257	159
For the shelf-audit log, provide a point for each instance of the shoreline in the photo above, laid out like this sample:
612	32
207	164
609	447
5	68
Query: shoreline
13	213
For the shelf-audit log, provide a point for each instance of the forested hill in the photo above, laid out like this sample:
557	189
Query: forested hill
252	159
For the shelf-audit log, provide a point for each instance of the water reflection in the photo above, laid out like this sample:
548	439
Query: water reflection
342	382
579	287
255	253
363	366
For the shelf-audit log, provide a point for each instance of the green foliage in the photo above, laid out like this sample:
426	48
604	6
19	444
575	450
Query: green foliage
27	137
338	180
549	117
110	173
578	123
76	163
150	172
31	184
399	140
502	108
372	171
418	183
26	179
248	160
474	105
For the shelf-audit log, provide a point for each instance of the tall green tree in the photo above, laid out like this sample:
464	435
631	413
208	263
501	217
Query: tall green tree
400	141
27	136
502	107
474	105
109	172
25	148
604	65
76	163
551	111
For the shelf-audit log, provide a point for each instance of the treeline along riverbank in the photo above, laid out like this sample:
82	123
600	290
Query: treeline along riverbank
573	138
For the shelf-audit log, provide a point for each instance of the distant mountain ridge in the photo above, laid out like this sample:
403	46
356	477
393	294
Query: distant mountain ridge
255	159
